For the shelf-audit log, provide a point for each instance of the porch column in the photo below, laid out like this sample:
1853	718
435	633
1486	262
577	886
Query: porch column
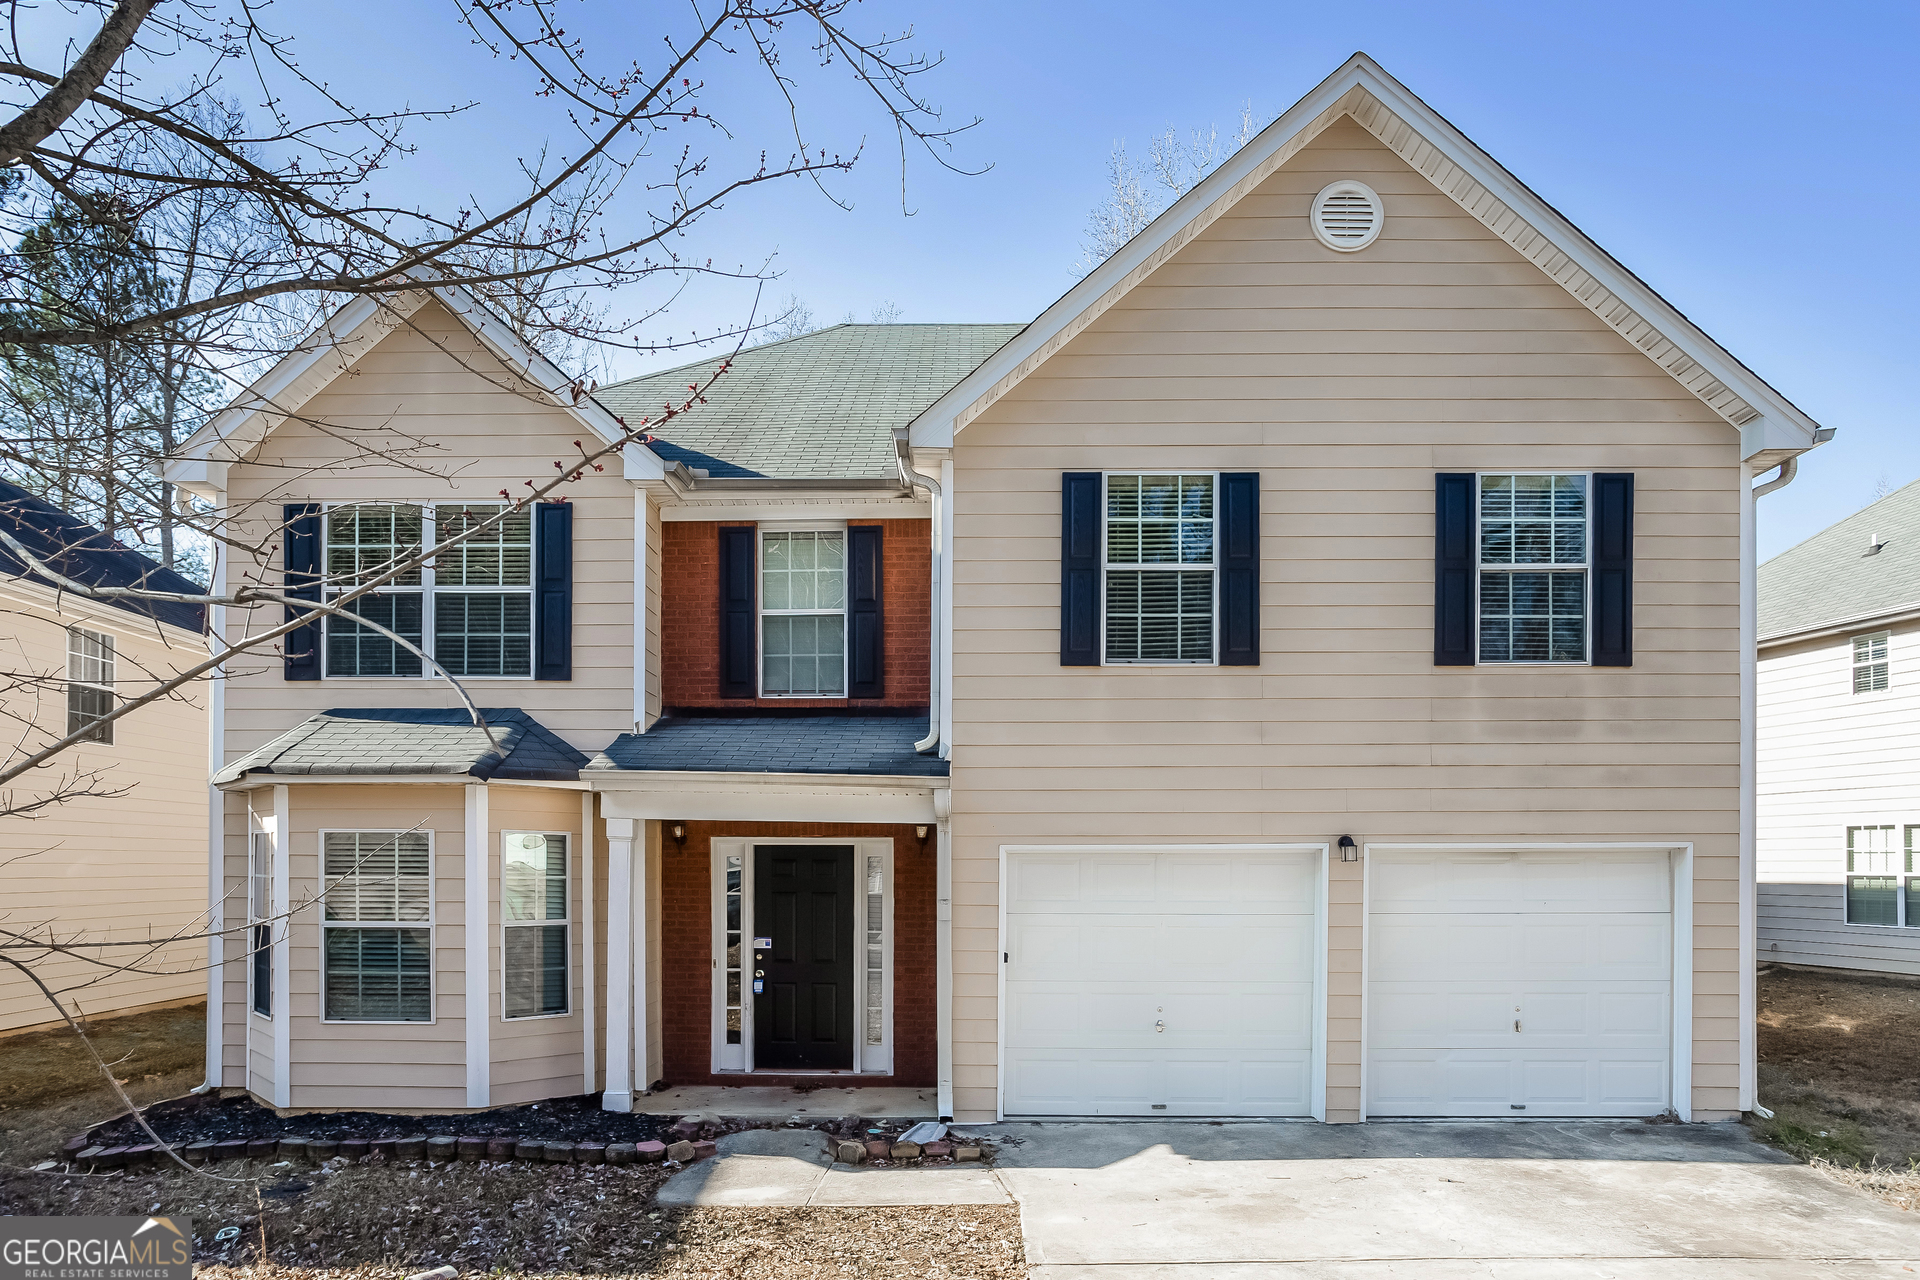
479	1010
618	1094
278	906
943	950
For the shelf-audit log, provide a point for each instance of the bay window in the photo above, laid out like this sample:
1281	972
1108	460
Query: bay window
536	920
377	926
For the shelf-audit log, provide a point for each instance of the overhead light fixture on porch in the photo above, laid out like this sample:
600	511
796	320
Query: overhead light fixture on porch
1349	851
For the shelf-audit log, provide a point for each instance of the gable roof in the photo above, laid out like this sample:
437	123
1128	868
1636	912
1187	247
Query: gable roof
75	549
199	463
1831	580
824	404
414	740
1771	427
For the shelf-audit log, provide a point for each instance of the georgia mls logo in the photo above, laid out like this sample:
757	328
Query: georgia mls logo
96	1249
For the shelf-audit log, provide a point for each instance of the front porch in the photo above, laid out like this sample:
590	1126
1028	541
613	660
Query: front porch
776	917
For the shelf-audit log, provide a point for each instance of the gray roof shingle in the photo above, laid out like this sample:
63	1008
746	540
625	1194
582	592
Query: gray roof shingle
415	740
787	744
1830	578
822	405
75	549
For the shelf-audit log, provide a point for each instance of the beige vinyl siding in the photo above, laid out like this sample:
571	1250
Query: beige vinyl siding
1829	759
432	396
378	1065
125	867
1347	382
536	1058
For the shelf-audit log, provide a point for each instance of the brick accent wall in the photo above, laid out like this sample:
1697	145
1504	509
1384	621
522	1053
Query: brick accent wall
687	951
690	617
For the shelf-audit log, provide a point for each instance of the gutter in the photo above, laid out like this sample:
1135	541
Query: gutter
910	478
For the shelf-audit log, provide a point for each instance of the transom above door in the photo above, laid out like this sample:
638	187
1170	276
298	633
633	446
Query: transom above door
802	955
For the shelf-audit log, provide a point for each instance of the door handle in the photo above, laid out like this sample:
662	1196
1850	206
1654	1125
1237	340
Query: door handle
1160	1026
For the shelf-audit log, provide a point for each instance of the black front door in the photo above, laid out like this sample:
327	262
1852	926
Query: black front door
803	976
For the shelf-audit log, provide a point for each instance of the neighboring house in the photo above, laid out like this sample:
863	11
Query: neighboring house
1839	759
123	858
1299	674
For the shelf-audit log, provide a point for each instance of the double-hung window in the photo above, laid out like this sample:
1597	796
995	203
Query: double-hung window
377	926
471	609
89	684
1881	886
1532	567
535	913
1870	663
260	921
803	613
1159	575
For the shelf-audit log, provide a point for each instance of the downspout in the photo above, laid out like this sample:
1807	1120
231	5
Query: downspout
1749	776
911	479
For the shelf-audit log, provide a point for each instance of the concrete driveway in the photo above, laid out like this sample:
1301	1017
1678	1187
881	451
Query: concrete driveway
1176	1200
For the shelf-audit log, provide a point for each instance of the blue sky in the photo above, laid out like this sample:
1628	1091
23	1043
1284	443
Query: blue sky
1753	162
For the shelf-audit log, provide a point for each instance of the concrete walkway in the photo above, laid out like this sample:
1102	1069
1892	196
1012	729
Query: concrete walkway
779	1101
792	1167
1507	1201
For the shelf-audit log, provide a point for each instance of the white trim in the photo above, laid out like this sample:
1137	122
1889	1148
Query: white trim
943	954
429	924
617	1094
1316	1056
1880	620
257	781
216	1032
1474	180
642	957
810	507
641	579
945	638
1680	1049
744	847
1212	567
570	923
692	796
1749	895
282	960
476	886
589	975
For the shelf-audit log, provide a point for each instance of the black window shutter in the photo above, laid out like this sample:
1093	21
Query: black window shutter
1613	569
1080	569
866	675
1453	566
737	648
300	538
553	591
1240	569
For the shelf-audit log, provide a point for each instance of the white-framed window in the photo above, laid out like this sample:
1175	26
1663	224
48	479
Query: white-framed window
803	612
1881	887
259	923
1532	583
89	684
477	598
1870	663
1159	577
536	957
376	926
732	863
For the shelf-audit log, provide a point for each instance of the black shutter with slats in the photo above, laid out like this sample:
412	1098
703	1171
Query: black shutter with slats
1613	569
738	652
866	674
553	591
300	542
1240	569
1453	565
1080	569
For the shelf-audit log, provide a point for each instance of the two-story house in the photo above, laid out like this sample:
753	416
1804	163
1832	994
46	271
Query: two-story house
1304	672
1839	773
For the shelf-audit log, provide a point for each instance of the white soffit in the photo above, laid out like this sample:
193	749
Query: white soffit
1476	182
341	339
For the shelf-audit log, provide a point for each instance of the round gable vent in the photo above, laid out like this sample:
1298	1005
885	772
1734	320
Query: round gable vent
1347	216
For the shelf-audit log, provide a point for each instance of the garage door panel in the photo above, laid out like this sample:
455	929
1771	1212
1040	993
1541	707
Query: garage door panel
1558	1002
1176	983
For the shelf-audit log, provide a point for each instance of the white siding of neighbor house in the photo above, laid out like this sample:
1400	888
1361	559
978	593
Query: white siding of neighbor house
1830	759
1347	382
124	867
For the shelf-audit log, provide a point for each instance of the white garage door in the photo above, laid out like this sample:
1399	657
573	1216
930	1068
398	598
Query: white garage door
1502	984
1175	983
